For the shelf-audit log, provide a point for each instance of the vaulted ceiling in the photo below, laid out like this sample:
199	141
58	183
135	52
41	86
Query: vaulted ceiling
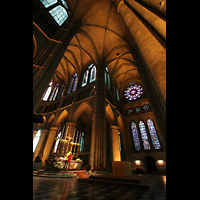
102	38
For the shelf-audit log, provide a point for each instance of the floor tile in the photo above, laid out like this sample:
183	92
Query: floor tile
70	188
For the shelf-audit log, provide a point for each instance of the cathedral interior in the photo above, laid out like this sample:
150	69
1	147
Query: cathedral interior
99	82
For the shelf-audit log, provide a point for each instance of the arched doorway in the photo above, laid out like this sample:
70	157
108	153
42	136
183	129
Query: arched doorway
150	164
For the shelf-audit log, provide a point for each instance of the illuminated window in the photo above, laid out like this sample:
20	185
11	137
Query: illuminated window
146	107
107	78
90	75
135	136
73	83
47	92
93	74
58	9
129	111
137	109
57	142
120	144
144	136
154	137
81	142
54	93
36	140
133	92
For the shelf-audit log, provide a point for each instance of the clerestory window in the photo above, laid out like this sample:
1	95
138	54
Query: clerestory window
58	9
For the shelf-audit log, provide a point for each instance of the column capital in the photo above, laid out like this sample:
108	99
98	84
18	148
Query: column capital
71	124
114	127
44	131
55	128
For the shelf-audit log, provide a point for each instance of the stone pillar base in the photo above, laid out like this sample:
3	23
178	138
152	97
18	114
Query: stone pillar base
121	168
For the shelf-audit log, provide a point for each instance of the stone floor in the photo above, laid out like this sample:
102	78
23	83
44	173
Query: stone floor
70	188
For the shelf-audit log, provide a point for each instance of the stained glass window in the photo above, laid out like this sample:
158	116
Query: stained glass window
133	92
120	144
81	142
144	136
154	137
60	12
85	77
73	83
135	136
47	92
54	93
62	90
129	111
36	139
107	78
57	142
137	109
146	107
93	74
90	75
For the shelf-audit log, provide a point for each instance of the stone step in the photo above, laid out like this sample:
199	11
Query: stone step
147	182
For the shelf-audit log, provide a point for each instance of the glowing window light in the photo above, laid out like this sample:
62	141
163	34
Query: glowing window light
36	140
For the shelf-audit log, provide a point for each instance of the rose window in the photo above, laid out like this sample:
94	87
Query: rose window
133	92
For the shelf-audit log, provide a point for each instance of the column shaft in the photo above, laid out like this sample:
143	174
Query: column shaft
115	143
49	143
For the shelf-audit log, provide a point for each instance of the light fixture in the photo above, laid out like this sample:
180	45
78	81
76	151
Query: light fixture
137	162
160	162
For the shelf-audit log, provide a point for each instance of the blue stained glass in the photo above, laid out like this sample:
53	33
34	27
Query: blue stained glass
70	86
137	109
146	107
144	136
154	137
129	111
75	84
135	136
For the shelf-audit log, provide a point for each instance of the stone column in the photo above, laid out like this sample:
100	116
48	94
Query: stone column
98	132
150	57
115	143
152	52
49	143
152	19
44	132
45	64
158	5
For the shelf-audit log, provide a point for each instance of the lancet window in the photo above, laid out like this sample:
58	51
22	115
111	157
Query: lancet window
58	9
73	83
135	136
90	75
47	92
154	137
107	78
143	132
36	140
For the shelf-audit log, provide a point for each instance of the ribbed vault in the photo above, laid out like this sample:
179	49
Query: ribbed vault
104	39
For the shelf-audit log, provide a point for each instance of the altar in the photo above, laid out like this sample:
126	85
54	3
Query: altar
75	164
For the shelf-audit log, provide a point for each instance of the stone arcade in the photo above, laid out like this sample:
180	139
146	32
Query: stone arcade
99	82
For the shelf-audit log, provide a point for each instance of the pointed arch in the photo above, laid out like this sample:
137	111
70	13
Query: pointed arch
85	106
50	119
62	116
